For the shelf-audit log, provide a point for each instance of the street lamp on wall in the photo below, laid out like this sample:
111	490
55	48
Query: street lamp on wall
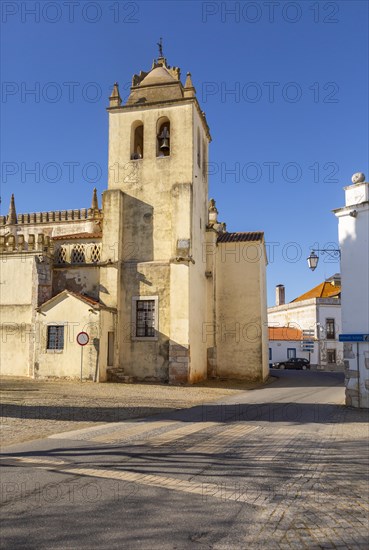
313	259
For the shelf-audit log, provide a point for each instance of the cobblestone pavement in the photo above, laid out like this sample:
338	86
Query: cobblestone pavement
33	409
284	467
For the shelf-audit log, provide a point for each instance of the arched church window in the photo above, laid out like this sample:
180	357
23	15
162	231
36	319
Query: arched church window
163	138
137	141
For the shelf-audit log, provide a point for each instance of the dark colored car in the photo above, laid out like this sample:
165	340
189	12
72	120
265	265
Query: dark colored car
295	363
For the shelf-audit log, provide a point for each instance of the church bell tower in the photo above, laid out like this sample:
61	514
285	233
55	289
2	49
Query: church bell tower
155	217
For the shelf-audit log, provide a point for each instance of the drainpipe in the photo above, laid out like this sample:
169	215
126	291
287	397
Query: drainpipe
358	375
318	332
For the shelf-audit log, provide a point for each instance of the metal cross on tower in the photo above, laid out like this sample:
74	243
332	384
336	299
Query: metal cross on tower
160	46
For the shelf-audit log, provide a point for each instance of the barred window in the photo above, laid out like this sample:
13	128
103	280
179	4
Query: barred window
55	337
78	254
330	329
61	255
145	318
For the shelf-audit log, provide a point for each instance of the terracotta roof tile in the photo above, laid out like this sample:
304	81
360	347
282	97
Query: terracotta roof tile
85	298
240	237
77	236
324	290
284	333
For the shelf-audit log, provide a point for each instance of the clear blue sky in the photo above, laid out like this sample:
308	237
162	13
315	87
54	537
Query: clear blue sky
294	129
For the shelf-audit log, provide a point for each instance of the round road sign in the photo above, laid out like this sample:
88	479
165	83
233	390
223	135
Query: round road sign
83	338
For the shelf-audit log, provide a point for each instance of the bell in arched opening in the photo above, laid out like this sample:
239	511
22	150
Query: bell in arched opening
164	140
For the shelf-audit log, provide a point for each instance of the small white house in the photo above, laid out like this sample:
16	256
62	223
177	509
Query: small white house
288	342
58	322
315	317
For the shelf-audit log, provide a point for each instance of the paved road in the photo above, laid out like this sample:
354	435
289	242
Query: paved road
285	466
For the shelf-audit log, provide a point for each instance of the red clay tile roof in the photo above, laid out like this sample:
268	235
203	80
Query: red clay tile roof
324	290
87	299
77	236
240	237
284	333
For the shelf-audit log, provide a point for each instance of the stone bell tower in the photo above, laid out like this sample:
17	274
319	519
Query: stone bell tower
155	218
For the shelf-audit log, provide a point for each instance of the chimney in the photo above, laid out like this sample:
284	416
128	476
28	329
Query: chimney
279	295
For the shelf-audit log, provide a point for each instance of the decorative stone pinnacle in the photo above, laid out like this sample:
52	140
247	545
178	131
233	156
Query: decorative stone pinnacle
115	100
212	207
189	89
12	215
213	213
95	202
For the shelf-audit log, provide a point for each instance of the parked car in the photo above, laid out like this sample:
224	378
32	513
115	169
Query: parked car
295	363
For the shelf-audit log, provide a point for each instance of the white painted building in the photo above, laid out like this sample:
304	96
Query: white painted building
353	233
288	342
316	316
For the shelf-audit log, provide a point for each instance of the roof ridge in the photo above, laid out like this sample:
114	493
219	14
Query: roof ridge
81	235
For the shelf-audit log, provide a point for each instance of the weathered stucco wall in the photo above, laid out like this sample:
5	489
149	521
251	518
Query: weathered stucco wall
76	316
295	314
18	300
148	182
240	316
53	229
82	279
197	278
145	359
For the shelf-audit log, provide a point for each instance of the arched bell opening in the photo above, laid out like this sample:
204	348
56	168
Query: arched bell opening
163	138
137	141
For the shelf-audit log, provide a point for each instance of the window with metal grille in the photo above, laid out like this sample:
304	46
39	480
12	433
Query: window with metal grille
78	254
95	253
145	318
55	337
61	255
330	329
331	355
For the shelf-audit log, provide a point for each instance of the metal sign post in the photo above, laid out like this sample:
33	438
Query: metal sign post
82	339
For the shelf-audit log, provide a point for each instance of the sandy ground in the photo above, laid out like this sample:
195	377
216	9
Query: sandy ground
33	409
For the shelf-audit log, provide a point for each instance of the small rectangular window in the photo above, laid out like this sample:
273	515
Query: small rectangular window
330	329
291	353
55	337
270	354
331	355
145	318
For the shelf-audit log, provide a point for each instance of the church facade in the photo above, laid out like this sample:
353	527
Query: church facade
163	291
